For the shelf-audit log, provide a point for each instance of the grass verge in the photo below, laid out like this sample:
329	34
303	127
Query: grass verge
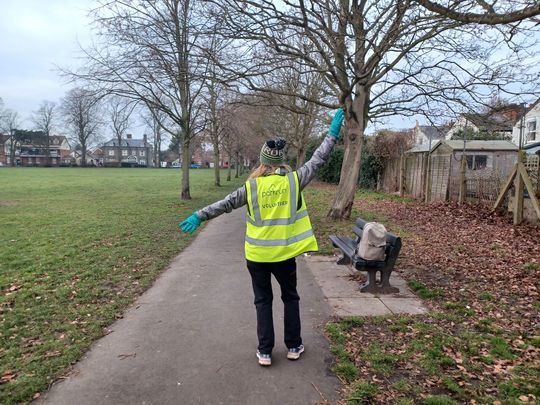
78	246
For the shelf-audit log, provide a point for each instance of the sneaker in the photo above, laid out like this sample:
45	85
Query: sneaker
264	359
295	352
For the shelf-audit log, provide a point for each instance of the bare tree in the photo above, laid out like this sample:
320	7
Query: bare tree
299	116
148	52
484	12
120	111
81	110
45	120
380	58
156	120
9	121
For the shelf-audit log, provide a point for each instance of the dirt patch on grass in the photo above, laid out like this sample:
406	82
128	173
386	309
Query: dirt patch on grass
7	203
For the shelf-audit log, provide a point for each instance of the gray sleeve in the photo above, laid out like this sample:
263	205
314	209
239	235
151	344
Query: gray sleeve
308	171
234	200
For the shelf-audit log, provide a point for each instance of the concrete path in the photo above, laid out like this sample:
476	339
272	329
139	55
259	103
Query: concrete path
191	338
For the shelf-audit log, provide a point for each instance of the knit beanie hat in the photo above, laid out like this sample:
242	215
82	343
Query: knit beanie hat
272	152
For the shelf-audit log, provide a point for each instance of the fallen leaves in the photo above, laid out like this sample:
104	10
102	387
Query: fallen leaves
478	340
7	377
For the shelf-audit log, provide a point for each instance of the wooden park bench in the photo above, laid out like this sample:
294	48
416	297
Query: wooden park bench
348	247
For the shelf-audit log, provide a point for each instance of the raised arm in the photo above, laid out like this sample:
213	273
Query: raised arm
308	171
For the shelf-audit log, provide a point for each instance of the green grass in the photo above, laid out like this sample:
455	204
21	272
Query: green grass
319	198
439	400
361	392
381	361
78	246
344	367
423	291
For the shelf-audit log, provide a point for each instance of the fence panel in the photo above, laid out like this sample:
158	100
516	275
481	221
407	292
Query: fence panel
440	171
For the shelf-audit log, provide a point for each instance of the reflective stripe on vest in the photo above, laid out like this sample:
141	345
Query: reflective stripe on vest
276	228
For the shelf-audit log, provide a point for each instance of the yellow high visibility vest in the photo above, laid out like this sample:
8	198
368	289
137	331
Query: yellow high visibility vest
277	223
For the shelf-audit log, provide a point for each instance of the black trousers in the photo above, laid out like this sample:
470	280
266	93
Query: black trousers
285	274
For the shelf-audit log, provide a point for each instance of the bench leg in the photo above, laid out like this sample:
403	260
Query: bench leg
385	287
371	285
344	260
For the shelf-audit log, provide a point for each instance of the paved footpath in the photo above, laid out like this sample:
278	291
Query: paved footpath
191	338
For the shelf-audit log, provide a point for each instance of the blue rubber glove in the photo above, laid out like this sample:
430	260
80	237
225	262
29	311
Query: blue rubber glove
335	126
190	224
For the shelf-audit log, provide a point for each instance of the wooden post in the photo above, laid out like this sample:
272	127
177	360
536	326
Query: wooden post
427	197
402	176
518	196
538	178
462	180
506	187
527	182
424	175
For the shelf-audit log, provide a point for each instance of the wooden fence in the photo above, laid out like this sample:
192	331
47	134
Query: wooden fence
448	181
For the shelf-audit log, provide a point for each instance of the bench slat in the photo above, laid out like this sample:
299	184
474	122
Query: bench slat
346	244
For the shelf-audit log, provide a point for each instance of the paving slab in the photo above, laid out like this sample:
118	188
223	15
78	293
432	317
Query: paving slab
344	296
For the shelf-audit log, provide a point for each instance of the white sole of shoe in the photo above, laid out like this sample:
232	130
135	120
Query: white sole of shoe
264	361
295	355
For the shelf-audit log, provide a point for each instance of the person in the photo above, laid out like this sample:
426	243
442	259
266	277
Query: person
278	229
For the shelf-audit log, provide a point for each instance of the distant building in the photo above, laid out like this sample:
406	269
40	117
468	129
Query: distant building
495	124
133	152
424	134
531	122
30	149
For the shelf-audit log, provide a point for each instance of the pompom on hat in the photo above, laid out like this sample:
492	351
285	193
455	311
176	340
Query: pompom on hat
272	153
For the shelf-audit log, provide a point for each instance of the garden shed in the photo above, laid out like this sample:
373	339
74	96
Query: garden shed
488	165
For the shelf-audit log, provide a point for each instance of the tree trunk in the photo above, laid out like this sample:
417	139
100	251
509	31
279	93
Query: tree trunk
186	161
236	166
350	169
229	168
217	180
119	150
12	151
301	157
48	151
83	158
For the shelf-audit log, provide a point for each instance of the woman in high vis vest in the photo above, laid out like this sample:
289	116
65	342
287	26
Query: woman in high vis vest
277	230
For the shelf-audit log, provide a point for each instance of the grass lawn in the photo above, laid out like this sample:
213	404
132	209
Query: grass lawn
77	247
478	275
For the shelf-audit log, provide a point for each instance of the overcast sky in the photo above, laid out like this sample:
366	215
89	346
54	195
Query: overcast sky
36	36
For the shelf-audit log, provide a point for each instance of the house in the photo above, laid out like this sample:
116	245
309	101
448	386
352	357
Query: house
94	157
133	152
495	124
531	122
488	165
426	134
4	149
30	149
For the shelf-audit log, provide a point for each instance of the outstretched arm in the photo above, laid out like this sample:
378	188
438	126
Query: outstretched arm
234	200
308	171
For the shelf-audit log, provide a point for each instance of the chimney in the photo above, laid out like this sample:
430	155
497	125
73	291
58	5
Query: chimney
128	136
144	139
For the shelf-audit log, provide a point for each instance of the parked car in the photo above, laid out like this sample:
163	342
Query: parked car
176	165
195	166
